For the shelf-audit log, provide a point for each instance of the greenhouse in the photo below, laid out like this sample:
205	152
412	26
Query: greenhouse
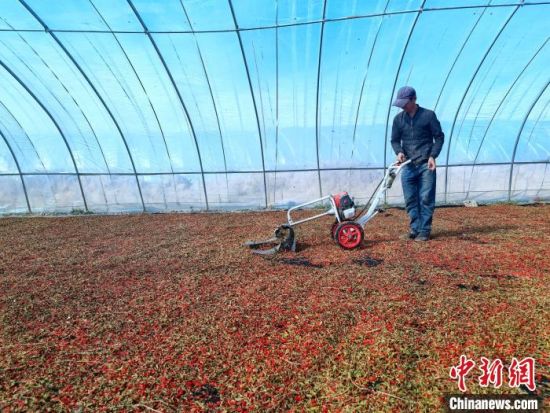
226	116
157	106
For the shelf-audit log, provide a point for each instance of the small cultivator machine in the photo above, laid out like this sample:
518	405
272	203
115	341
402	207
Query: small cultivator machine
348	227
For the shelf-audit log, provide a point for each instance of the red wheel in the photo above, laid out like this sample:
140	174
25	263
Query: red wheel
349	235
333	230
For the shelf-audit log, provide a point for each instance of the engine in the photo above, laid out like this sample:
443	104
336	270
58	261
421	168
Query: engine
345	206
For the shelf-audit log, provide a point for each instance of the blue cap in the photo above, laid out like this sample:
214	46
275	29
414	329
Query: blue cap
404	95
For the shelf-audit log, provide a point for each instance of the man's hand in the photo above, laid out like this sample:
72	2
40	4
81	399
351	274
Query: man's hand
431	163
401	157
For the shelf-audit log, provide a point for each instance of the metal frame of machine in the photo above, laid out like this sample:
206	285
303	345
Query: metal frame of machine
348	228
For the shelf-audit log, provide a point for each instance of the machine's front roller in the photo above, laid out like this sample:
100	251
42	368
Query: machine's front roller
349	235
283	240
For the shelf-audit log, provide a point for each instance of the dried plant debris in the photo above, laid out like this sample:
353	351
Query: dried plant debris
170	313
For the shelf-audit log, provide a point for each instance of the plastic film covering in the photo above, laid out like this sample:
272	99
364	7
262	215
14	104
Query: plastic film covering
113	106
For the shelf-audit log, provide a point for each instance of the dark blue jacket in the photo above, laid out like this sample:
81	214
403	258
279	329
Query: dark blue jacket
420	136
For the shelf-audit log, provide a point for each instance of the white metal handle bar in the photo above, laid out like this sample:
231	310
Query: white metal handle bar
391	174
331	211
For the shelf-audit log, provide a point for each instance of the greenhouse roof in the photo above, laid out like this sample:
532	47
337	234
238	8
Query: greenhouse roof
115	105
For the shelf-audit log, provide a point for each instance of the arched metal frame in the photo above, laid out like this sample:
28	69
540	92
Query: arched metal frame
214	105
500	105
159	124
26	135
90	83
276	98
177	92
134	70
237	30
242	29
518	137
458	57
466	93
207	78
18	170
151	106
395	85
317	97
252	96
47	112
69	94
365	79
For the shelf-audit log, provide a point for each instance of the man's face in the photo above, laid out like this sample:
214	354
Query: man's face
410	106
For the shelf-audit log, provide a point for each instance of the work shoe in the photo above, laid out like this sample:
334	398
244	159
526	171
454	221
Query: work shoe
408	236
422	237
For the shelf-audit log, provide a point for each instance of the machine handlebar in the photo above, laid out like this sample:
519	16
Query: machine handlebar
397	163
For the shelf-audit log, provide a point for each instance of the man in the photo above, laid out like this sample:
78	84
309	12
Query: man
417	135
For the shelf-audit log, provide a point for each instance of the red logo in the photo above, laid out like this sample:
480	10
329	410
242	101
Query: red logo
522	372
491	373
519	373
459	372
